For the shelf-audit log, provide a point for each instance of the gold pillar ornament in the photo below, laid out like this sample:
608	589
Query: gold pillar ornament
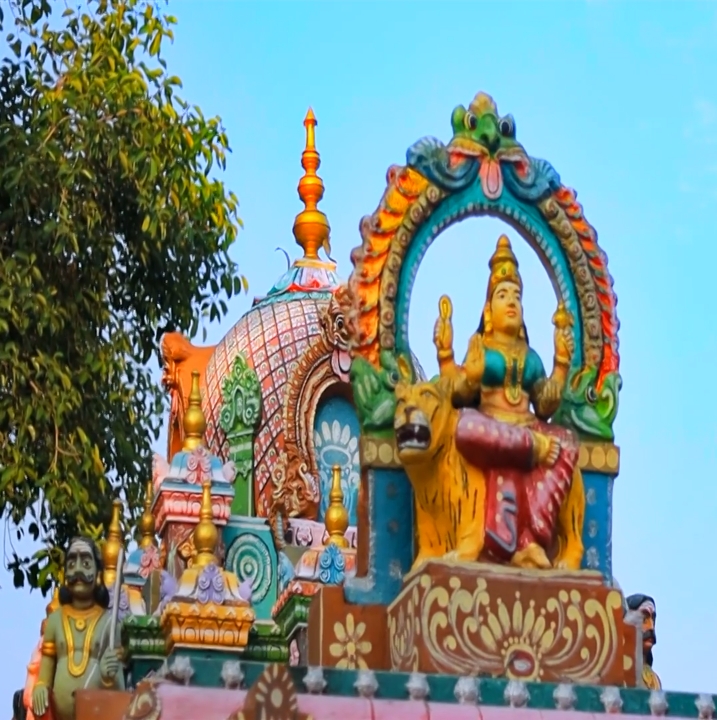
311	227
147	536
206	535
195	424
337	517
55	602
112	545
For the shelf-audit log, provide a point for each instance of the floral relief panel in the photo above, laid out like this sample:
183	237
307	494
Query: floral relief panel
336	442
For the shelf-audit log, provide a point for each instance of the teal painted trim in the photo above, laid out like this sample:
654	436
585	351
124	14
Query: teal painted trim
293	295
293	614
390	551
217	489
250	553
597	529
392	686
525	218
139	668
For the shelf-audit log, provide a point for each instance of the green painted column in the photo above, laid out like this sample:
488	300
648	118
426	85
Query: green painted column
239	419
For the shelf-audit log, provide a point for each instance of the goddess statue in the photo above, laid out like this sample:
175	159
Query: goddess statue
529	465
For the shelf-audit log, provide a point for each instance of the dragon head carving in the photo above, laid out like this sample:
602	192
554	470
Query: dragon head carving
337	330
335	322
175	349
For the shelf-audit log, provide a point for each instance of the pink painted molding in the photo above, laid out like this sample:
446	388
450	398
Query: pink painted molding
180	703
183	506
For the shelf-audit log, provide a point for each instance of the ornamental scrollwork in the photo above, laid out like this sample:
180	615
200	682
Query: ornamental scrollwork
568	634
241	393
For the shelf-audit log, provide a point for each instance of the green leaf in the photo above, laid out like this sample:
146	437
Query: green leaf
155	44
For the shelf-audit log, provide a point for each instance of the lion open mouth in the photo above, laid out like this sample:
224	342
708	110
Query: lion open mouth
413	436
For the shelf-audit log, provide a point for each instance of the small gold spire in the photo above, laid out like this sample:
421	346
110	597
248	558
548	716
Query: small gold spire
194	421
337	517
146	522
55	602
206	536
311	227
113	544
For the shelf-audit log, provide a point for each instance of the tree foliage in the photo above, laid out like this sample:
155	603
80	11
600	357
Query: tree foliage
112	231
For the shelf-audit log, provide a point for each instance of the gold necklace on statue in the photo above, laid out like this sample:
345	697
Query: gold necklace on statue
514	390
514	355
83	620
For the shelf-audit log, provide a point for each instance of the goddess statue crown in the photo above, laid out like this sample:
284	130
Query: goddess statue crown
503	267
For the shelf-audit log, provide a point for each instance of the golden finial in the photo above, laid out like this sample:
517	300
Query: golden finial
55	602
337	517
146	522
311	227
563	318
113	544
194	421
206	536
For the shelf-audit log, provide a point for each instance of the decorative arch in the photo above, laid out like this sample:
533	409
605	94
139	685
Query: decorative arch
443	184
482	171
321	370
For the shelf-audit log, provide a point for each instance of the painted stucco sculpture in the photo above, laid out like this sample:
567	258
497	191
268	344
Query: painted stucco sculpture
644	606
495	482
433	543
77	650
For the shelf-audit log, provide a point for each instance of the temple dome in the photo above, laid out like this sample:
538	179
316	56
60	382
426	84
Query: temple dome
302	315
271	337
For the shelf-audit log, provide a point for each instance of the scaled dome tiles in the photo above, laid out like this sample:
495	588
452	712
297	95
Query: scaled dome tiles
271	337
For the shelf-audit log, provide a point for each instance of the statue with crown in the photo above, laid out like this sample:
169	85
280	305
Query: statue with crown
333	533
518	472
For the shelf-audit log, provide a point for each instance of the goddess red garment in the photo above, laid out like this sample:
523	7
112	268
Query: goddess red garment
522	501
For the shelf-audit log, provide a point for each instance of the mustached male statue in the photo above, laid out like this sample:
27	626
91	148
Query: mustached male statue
76	650
645	605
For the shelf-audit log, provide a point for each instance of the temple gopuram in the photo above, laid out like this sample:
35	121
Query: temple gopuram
334	534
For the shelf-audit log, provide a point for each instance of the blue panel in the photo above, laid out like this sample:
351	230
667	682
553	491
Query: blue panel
336	442
390	551
597	531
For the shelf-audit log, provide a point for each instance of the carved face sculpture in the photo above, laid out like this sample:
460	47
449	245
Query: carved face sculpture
336	322
506	308
81	568
421	418
645	605
337	331
649	638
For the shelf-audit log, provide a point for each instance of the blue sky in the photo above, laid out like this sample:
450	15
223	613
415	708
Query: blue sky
621	99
